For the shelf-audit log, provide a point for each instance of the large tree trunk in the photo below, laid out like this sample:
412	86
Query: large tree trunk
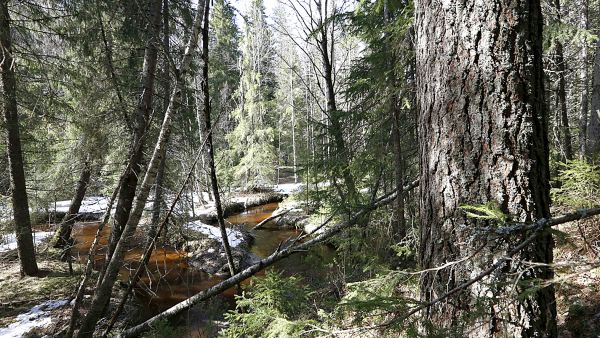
593	131
482	139
18	189
63	233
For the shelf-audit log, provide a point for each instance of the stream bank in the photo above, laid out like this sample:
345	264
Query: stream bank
175	274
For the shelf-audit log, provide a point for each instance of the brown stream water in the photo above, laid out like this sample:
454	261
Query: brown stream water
169	279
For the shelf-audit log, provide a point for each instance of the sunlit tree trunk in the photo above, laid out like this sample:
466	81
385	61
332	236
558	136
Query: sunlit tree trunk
482	139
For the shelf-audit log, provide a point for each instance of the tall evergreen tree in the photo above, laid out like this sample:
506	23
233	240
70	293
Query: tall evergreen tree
252	139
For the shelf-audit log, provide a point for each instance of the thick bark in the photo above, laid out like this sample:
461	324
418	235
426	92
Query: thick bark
593	131
104	289
206	127
20	204
63	233
483	139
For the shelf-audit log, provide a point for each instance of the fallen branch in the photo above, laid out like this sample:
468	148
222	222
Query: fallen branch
150	246
536	227
263	263
270	218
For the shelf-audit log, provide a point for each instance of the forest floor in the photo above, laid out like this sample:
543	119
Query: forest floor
38	306
578	279
29	306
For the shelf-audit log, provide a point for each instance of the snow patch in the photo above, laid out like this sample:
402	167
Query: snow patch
234	237
38	316
9	241
288	188
90	204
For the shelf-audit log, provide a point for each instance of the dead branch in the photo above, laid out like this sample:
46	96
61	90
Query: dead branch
263	263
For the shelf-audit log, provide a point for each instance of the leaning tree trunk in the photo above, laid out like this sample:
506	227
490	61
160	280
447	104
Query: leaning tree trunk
63	233
593	131
483	139
18	187
104	288
144	107
160	177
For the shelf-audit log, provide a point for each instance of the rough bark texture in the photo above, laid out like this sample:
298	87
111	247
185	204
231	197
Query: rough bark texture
482	139
593	131
63	233
20	204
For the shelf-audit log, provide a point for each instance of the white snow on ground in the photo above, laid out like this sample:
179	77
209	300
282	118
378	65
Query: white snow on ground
91	204
38	316
234	237
288	188
9	241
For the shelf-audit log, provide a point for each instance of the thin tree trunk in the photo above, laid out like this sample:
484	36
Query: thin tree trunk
399	220
20	203
293	126
584	81
158	187
342	155
209	143
593	131
483	139
63	233
561	96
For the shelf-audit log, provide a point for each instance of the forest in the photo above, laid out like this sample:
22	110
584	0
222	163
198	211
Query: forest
300	168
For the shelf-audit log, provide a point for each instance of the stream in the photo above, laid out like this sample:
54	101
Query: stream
169	278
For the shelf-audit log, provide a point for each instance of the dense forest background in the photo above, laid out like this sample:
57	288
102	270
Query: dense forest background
422	155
